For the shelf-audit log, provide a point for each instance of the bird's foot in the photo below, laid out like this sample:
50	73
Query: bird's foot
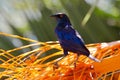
55	66
74	64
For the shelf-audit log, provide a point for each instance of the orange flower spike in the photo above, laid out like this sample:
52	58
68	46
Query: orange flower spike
28	62
85	69
68	72
32	58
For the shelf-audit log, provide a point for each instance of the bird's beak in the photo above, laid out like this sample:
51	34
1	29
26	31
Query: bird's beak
53	15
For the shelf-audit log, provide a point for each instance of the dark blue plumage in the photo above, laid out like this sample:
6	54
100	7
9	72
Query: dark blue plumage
69	38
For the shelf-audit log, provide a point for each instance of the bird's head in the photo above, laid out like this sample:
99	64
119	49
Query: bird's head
61	17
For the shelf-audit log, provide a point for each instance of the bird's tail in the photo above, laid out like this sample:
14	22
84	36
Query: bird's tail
93	58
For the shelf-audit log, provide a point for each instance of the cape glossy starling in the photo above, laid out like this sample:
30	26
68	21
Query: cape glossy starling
69	38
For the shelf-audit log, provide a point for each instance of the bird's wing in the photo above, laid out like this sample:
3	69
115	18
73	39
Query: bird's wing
73	36
72	41
76	47
79	36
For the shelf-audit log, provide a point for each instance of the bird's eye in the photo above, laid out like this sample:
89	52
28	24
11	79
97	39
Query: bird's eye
61	16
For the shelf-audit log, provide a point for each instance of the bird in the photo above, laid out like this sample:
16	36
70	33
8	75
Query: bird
69	38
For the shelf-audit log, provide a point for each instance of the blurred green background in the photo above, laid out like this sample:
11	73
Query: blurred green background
31	19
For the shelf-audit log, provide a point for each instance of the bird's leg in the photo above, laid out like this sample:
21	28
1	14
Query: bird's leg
76	60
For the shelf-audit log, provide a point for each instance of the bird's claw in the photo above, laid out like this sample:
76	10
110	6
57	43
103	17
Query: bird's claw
55	66
74	64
